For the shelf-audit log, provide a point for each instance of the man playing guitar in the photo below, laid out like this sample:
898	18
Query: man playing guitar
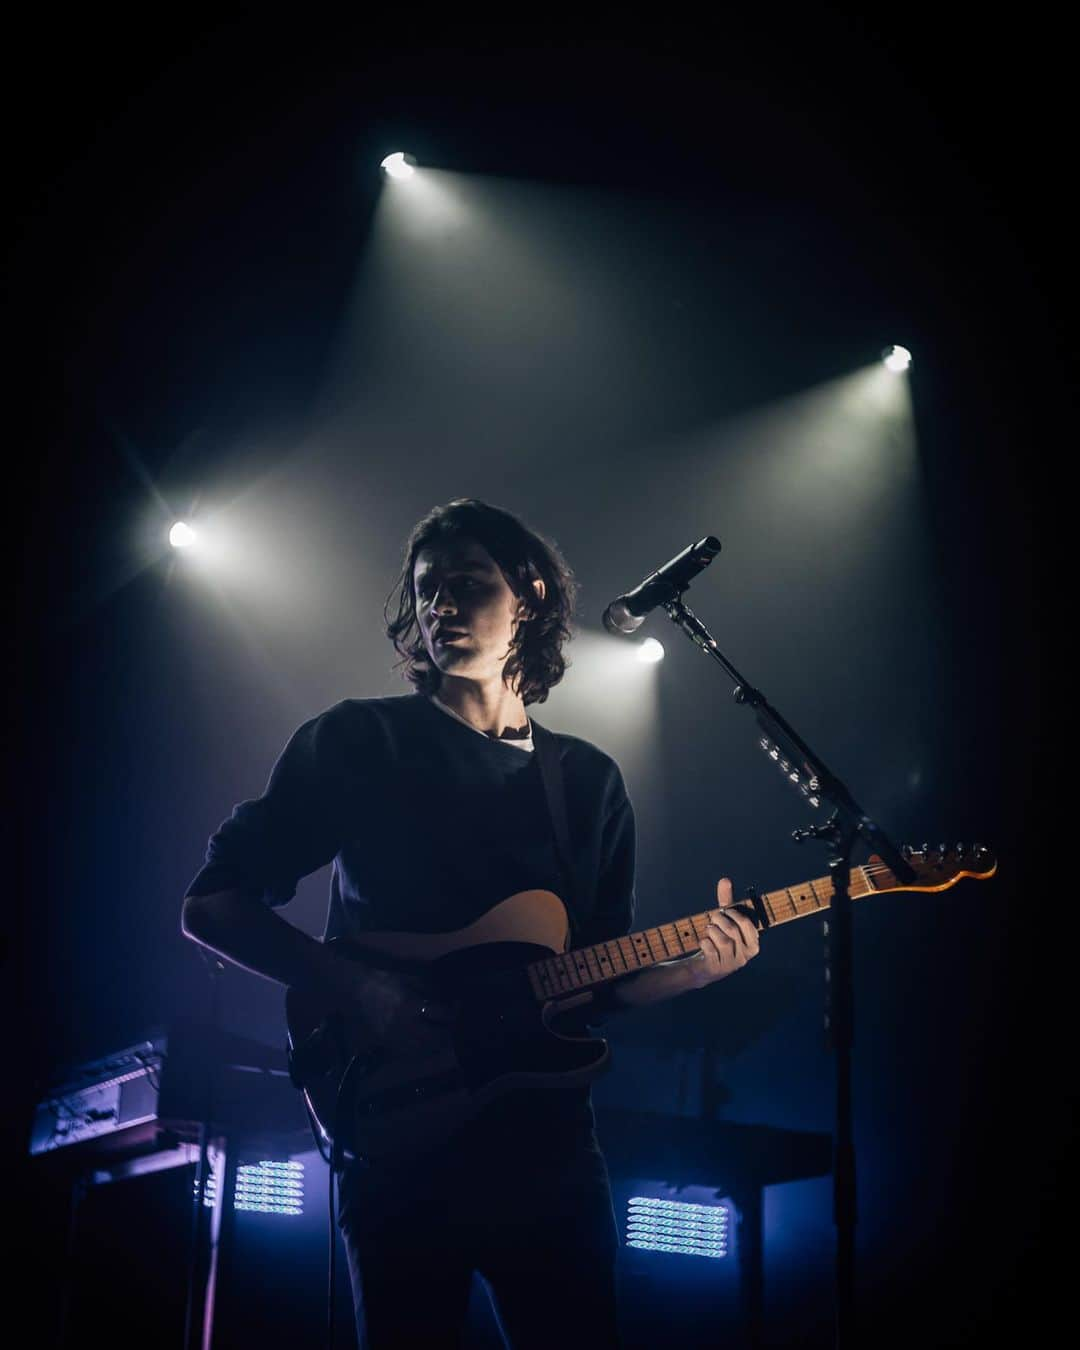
431	807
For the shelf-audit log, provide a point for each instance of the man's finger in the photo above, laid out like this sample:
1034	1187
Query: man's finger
717	934
733	929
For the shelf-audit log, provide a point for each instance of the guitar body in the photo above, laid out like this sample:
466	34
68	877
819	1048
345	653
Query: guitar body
444	1023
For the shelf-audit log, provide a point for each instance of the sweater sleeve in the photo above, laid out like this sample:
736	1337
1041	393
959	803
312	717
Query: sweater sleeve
270	842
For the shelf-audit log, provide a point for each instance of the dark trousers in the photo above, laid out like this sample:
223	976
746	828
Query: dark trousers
543	1238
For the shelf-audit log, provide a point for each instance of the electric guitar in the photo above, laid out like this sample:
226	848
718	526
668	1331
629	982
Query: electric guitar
446	1022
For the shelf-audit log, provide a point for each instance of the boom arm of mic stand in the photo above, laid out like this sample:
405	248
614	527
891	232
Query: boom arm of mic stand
815	778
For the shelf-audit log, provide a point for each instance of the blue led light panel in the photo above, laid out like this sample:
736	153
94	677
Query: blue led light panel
270	1188
264	1188
677	1226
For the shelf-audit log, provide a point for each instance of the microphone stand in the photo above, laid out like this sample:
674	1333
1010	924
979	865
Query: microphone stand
807	772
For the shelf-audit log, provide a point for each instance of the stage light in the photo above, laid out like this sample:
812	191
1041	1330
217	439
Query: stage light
399	165
263	1188
181	535
650	652
896	359
270	1188
675	1226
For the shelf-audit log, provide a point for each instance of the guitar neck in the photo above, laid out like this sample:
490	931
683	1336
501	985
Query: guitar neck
586	967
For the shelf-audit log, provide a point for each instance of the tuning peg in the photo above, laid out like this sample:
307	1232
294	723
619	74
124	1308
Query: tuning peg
925	850
943	851
961	849
906	850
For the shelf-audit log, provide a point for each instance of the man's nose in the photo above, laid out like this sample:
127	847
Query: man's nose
443	601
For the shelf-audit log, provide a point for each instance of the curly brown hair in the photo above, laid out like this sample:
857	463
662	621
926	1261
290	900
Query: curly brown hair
536	659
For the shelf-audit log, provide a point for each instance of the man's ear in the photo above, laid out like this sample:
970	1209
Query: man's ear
523	605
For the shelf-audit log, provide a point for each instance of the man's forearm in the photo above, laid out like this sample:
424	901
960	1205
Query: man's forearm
666	980
250	935
729	941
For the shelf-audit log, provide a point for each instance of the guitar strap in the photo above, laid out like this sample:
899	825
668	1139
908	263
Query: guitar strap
546	750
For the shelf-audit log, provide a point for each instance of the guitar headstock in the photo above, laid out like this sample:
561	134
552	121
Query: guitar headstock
936	869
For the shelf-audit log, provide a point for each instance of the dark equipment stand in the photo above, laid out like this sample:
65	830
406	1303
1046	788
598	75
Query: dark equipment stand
748	1195
212	1238
206	1235
186	1095
734	1160
808	773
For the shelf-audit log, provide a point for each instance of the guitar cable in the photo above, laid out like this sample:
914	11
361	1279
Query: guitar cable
328	1158
335	1159
331	1290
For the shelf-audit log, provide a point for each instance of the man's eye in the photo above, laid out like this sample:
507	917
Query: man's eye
424	591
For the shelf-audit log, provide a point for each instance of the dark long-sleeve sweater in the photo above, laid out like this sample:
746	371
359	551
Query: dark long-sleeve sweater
429	825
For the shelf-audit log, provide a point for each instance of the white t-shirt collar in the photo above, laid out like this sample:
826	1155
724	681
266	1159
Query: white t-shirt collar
525	744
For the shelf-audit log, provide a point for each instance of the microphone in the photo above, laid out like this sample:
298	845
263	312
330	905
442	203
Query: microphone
627	613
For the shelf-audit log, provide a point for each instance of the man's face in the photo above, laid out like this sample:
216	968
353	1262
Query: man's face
465	608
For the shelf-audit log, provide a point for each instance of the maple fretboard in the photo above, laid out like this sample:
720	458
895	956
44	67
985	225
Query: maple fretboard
587	966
